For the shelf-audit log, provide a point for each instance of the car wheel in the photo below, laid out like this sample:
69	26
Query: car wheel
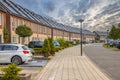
16	60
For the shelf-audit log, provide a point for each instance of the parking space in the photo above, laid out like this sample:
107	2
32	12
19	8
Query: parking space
35	63
32	67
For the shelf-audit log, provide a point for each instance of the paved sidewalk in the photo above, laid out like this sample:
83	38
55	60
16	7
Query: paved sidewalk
69	65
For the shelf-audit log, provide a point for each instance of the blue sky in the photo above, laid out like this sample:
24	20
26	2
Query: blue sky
98	14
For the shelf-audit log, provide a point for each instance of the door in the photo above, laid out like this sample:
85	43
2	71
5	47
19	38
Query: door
0	39
7	53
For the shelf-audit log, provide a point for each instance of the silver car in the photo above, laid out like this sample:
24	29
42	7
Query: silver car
14	53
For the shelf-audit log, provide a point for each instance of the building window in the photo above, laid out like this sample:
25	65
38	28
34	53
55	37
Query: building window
0	38
34	28
28	24
33	38
45	29
39	29
49	31
12	23
14	39
0	19
54	32
21	22
16	22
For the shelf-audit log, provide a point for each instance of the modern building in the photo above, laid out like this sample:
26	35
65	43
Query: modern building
13	15
102	35
88	36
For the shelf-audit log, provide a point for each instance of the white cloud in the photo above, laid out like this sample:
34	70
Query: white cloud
97	15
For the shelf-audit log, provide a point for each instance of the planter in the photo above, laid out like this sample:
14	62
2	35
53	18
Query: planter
22	76
25	77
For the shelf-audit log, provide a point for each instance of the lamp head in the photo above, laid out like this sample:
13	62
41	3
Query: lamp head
81	20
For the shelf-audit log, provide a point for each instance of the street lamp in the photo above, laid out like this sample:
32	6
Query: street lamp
107	35
81	20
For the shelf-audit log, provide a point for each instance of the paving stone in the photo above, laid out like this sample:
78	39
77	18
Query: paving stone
69	65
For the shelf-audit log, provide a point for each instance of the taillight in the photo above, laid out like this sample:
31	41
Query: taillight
26	52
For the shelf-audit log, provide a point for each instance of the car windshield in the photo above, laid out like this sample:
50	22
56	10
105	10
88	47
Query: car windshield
1	47
25	48
40	42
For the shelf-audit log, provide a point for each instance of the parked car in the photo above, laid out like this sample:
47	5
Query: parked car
14	53
118	44
112	43
32	51
56	43
73	42
35	44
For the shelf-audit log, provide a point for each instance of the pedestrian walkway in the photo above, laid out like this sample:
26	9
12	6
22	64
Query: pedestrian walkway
69	65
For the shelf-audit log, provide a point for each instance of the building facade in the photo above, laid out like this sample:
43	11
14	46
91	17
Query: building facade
102	35
13	15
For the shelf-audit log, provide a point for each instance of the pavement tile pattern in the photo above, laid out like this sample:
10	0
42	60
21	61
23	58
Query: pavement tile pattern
69	65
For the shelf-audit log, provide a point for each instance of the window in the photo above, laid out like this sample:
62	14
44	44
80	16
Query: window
14	39
12	22
14	48
39	29
0	38
1	47
34	28
49	31
16	22
45	30
0	19
10	47
33	38
25	48
28	24
54	32
23	22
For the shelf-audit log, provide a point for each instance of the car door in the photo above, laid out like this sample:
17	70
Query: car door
1	53
7	53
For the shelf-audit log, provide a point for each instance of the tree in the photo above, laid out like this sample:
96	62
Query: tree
52	48
114	33
97	37
46	48
23	31
119	25
5	35
61	41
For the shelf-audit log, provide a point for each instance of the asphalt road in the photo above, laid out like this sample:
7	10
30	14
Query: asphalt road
108	60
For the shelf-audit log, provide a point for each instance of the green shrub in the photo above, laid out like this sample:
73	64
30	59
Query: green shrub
11	72
57	48
106	45
67	44
77	41
52	48
64	43
46	48
38	50
61	41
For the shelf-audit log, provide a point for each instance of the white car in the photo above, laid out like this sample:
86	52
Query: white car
14	53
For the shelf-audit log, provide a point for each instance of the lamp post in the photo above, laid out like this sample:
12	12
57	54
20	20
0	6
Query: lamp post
81	20
107	35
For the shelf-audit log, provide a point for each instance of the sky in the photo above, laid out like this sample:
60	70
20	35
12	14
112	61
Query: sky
98	15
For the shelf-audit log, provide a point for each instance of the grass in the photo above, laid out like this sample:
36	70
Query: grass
109	47
116	49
